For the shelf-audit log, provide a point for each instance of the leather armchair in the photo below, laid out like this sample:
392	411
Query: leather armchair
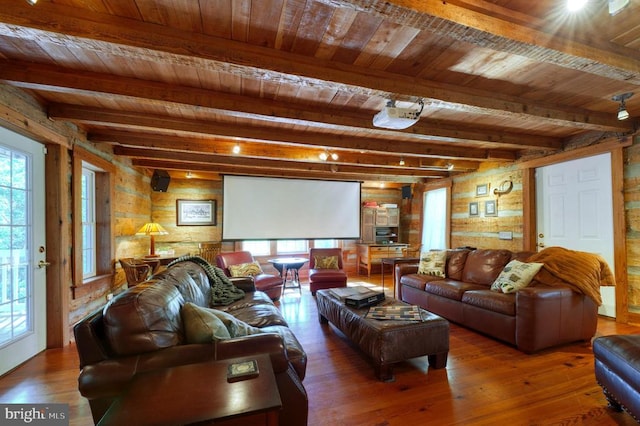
268	283
319	278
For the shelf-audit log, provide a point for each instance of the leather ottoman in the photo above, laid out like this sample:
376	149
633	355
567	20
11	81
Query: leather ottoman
387	342
617	369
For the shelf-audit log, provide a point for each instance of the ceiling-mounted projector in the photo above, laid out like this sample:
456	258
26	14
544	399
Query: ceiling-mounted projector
392	117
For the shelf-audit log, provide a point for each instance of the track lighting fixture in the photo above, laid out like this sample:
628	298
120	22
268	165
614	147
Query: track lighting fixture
623	114
325	155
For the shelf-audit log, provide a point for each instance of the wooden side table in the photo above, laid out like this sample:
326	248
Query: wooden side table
198	393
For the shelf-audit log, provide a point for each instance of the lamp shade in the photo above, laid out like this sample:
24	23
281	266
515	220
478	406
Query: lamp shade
152	228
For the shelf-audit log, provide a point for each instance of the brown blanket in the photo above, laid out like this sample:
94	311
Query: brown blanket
583	272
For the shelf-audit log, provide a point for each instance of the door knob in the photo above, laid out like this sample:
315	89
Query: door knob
541	245
43	264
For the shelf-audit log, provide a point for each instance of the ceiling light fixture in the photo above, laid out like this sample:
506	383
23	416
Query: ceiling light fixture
575	5
401	162
392	117
325	155
32	2
189	175
450	166
623	114
236	149
615	6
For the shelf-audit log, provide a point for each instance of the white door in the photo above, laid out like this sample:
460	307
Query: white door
575	211
22	247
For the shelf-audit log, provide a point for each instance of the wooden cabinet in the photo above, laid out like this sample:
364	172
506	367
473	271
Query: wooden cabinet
380	225
370	255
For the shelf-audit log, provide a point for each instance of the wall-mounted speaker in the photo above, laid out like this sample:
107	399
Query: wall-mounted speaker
406	191
160	180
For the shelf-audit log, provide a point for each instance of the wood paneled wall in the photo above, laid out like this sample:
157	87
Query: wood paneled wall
482	230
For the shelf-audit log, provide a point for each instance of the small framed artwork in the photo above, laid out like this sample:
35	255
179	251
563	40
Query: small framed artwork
473	209
490	208
195	212
482	190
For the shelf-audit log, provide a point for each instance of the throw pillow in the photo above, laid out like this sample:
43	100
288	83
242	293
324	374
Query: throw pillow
433	263
201	325
235	327
245	269
326	262
515	276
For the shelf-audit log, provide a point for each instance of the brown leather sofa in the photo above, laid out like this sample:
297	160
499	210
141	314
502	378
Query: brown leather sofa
533	318
269	283
141	329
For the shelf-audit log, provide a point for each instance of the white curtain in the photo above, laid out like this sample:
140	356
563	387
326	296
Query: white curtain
434	220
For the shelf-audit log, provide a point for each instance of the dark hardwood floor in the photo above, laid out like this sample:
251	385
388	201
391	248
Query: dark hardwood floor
485	383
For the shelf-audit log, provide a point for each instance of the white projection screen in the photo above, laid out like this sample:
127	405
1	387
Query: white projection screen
259	208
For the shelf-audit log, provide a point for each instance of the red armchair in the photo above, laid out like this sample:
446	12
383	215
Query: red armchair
269	283
326	269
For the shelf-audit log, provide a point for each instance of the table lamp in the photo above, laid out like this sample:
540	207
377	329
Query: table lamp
152	229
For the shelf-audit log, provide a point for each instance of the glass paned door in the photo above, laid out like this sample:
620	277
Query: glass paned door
22	282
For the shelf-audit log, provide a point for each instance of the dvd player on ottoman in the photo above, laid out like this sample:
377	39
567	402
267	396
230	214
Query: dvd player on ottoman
358	297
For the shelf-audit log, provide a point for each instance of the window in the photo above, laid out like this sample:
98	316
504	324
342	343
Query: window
88	223
291	246
93	240
435	220
324	243
257	248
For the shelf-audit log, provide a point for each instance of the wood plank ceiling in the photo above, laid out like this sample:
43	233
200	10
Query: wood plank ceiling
176	84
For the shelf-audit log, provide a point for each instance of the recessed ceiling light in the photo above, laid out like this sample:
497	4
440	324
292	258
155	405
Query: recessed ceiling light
575	5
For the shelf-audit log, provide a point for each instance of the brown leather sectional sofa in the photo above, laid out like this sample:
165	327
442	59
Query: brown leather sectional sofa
142	330
533	318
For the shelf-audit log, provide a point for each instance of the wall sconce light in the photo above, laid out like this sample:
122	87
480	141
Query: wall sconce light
623	114
152	229
236	149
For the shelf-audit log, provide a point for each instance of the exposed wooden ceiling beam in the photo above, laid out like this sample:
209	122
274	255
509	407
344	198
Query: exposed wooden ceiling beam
268	164
501	29
56	79
253	171
112	36
148	122
257	150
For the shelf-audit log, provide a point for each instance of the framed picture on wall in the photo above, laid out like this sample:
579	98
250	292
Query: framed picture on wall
196	212
482	190
473	209
490	208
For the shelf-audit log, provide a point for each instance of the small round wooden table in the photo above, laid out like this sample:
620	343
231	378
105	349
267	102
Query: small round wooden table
286	264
